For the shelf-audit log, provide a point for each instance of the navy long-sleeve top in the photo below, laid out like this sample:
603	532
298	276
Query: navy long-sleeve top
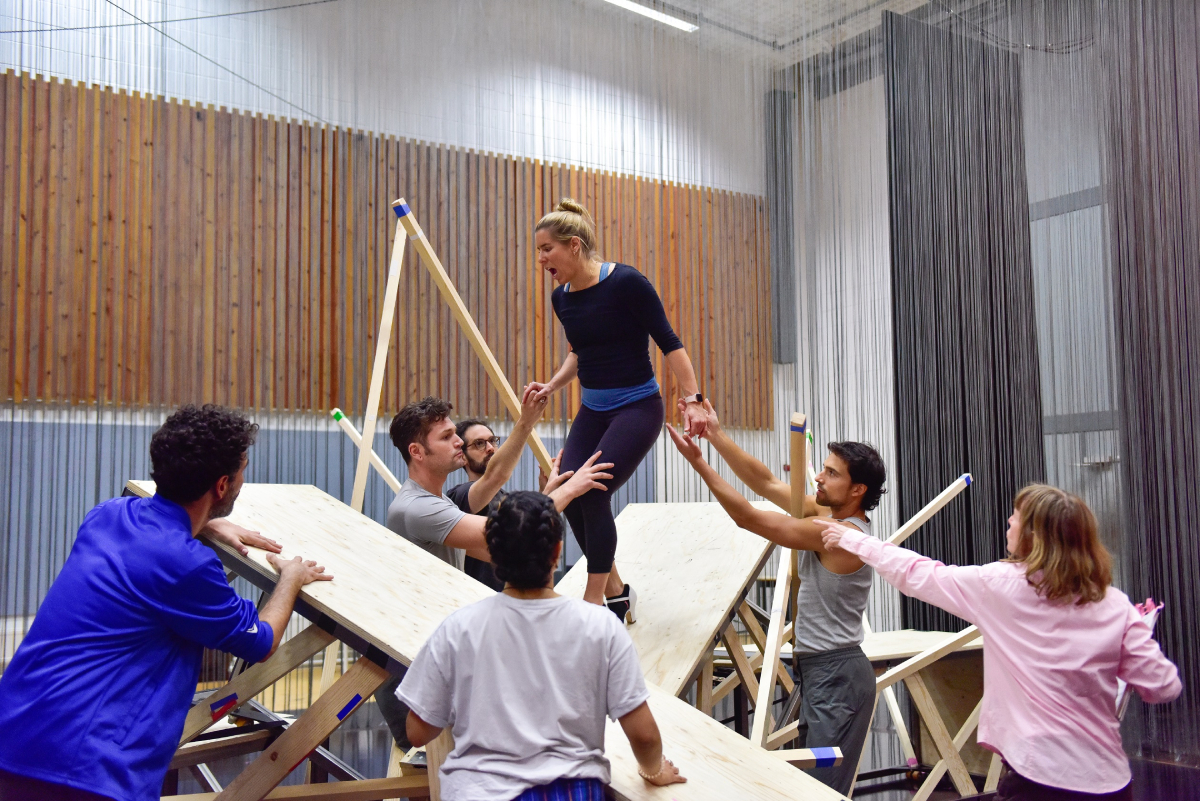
609	326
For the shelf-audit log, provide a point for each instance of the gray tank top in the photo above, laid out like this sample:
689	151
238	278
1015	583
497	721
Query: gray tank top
830	605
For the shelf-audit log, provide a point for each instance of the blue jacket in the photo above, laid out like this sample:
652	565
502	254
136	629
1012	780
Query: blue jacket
96	695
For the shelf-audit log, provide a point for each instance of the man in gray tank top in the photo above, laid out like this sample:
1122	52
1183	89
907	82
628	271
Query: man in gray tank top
831	670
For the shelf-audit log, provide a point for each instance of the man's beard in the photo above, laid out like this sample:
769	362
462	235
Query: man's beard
225	508
478	467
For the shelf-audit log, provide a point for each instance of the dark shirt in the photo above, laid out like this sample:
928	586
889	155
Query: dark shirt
609	326
96	695
475	568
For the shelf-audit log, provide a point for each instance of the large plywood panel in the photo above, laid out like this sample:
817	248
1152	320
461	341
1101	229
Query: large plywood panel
690	566
385	589
394	595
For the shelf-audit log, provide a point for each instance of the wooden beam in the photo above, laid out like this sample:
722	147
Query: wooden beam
931	508
927	657
380	366
750	621
704	686
737	654
287	657
798	449
893	707
939	770
467	324
356	438
763	719
993	775
959	774
203	751
436	751
811	757
365	790
784	734
303	736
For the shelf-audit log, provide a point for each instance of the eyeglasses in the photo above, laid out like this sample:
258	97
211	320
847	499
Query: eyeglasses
481	444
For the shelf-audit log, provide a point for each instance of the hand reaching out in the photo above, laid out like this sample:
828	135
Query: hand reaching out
239	538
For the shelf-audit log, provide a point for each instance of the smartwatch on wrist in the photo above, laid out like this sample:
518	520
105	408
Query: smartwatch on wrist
697	398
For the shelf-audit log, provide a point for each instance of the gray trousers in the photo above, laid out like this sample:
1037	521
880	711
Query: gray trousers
838	689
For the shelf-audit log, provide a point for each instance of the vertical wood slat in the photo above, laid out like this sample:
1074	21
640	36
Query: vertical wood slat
188	254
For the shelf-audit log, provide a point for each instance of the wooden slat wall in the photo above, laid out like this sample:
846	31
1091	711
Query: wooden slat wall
155	252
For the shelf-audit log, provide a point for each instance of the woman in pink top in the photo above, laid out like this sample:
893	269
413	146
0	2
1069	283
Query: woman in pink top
1057	637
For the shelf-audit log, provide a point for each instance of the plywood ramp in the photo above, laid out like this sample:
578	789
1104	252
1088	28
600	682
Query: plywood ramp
691	567
393	595
718	762
385	589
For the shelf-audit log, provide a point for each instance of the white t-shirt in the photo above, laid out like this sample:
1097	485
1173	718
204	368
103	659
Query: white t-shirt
525	686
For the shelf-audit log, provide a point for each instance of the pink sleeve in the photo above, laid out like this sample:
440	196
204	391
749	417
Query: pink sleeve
955	589
1143	665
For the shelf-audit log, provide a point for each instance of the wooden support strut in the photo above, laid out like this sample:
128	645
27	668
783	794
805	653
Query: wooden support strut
811	757
737	654
927	657
287	657
763	719
379	368
467	323
303	736
365	790
959	775
344	422
939	770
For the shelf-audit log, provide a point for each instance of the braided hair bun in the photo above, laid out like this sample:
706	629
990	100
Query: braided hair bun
522	534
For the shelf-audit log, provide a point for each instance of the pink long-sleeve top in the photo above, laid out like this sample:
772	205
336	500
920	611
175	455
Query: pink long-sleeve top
1050	669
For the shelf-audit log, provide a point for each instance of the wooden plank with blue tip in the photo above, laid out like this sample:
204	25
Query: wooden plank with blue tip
931	508
810	757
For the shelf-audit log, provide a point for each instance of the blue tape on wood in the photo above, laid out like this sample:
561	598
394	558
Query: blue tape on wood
967	478
402	210
825	757
348	708
798	429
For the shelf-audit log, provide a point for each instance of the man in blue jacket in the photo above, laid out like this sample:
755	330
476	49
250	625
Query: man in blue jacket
93	703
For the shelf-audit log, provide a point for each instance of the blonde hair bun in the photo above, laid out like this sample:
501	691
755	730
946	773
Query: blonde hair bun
568	221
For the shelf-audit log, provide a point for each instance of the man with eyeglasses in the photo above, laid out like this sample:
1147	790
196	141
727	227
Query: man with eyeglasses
480	444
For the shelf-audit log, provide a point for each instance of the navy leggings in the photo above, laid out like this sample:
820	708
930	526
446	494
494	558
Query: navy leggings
625	435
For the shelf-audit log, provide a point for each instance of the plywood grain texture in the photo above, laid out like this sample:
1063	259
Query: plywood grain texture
691	567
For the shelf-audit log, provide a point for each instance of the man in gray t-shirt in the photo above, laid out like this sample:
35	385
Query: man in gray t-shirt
421	513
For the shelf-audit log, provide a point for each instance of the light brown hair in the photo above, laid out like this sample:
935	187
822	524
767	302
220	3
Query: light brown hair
1059	546
570	219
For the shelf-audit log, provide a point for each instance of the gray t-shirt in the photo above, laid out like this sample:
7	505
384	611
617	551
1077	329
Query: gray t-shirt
831	604
426	519
525	686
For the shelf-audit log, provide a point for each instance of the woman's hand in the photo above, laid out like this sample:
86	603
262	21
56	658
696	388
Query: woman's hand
536	390
688	447
833	531
240	539
667	774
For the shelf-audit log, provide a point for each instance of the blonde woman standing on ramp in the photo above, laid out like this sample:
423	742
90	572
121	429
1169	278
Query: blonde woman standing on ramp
609	312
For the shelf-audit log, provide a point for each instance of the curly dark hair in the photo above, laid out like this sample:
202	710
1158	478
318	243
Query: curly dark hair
522	531
412	423
195	446
866	467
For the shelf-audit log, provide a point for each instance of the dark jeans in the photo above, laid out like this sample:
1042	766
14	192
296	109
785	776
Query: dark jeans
14	787
394	711
839	695
1015	787
625	435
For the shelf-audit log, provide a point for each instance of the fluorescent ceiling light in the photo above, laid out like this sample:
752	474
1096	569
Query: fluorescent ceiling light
638	8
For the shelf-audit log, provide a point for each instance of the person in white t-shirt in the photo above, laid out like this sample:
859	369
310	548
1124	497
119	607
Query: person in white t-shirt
526	677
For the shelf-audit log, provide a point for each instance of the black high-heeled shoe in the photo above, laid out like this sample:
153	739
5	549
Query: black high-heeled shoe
624	606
